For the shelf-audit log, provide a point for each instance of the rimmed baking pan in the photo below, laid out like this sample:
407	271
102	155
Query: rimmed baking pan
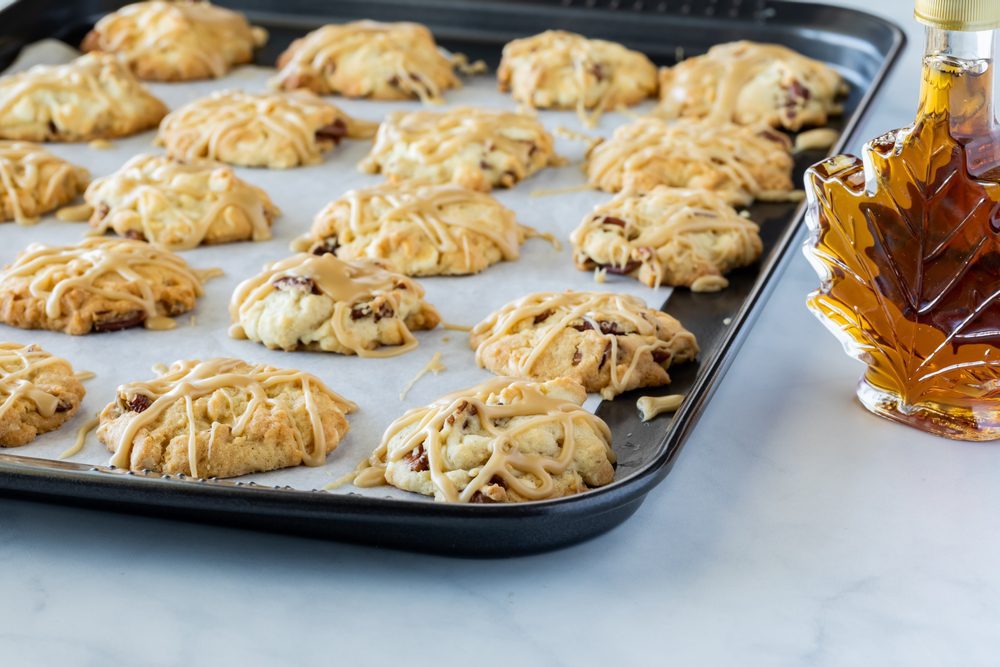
861	46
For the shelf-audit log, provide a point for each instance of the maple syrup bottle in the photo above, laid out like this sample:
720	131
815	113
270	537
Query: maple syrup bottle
906	240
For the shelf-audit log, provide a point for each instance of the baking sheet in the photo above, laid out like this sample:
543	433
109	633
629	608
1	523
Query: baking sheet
374	384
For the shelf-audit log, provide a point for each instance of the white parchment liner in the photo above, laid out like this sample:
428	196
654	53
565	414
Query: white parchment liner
374	384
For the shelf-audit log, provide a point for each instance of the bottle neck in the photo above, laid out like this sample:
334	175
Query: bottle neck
958	80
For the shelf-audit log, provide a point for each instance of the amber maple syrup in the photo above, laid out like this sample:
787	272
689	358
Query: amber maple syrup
907	241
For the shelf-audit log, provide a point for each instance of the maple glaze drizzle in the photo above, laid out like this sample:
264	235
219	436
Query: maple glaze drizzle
408	50
346	283
247	386
36	180
722	76
653	406
433	137
691	154
562	310
206	32
433	366
679	213
81	437
161	194
440	211
527	61
218	124
17	364
92	265
494	402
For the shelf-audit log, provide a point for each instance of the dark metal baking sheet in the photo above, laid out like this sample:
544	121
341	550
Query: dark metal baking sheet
862	46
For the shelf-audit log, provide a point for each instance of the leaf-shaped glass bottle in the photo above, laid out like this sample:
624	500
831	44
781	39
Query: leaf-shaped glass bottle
906	240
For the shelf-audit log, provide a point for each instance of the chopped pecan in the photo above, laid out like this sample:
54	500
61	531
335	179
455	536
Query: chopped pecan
611	328
597	70
63	406
611	220
385	310
327	246
139	403
661	355
334	132
303	283
577	357
617	270
105	322
361	310
541	317
135	235
417	459
605	355
480	497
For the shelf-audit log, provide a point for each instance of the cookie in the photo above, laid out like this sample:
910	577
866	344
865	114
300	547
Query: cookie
478	149
502	441
275	130
97	285
562	70
34	181
667	236
739	163
179	205
318	302
93	97
752	84
379	61
223	418
38	393
181	40
609	343
422	230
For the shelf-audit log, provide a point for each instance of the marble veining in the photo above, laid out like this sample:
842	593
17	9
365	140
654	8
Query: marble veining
795	530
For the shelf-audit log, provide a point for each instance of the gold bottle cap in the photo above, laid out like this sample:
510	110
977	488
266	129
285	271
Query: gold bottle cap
965	15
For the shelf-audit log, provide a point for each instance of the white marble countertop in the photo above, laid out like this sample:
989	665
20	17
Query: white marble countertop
795	529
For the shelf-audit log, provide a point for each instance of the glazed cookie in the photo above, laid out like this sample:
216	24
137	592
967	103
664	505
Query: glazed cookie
93	97
223	418
38	393
422	230
475	148
609	343
502	441
179	204
179	40
275	130
381	61
34	181
318	302
752	84
739	163
97	285
667	236
563	70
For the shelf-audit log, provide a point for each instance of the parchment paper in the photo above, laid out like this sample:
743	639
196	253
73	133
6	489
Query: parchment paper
374	384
